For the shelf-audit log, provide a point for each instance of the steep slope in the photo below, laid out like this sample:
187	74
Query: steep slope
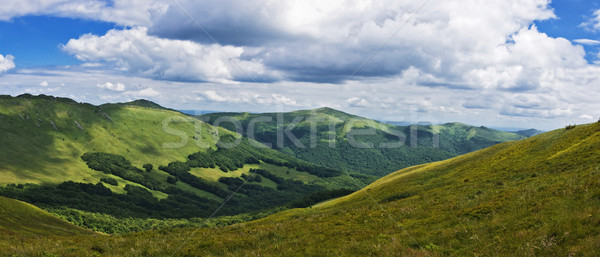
142	160
27	220
343	141
536	197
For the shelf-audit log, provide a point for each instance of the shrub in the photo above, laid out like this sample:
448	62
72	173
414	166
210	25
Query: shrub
148	167
171	180
110	181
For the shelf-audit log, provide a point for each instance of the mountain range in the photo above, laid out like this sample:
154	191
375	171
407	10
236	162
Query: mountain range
263	184
537	196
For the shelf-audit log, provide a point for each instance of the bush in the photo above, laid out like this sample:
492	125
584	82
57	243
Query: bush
110	181
148	167
171	180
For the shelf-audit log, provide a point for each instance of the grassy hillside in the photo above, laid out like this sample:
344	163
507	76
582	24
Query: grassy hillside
343	141
24	219
142	160
536	197
43	138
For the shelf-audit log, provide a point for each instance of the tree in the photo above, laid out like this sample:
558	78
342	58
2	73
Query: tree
110	181
171	180
148	167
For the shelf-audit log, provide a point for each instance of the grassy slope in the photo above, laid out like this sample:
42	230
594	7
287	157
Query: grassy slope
334	146
536	197
36	151
24	219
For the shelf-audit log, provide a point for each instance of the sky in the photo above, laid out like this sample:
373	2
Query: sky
497	63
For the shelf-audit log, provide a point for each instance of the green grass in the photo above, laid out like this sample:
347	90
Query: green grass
24	219
47	155
536	197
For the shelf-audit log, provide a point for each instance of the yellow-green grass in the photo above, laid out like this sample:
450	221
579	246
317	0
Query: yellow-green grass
35	152
24	219
213	174
536	197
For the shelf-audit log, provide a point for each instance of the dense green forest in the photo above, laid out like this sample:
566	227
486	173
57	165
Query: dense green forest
347	142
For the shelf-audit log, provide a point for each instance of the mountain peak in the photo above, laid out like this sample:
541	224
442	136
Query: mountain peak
141	103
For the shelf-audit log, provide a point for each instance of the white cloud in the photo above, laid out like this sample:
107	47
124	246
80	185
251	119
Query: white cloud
111	86
145	93
593	23
44	83
246	97
357	102
212	95
586	117
6	62
584	41
148	56
123	12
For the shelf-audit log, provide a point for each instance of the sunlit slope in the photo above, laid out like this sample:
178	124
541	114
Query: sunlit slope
25	219
43	138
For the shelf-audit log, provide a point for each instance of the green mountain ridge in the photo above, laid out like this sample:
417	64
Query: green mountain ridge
141	160
535	197
335	139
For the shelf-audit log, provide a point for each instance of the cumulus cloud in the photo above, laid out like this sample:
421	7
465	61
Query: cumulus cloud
320	41
6	62
44	83
123	12
180	60
112	87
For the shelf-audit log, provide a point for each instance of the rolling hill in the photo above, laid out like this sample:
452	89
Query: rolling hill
142	160
535	197
339	140
24	219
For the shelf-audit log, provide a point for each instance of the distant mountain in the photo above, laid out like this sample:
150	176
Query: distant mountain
196	112
344	141
529	132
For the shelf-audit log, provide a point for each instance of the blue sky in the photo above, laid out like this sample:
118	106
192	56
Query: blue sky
36	40
570	16
493	63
